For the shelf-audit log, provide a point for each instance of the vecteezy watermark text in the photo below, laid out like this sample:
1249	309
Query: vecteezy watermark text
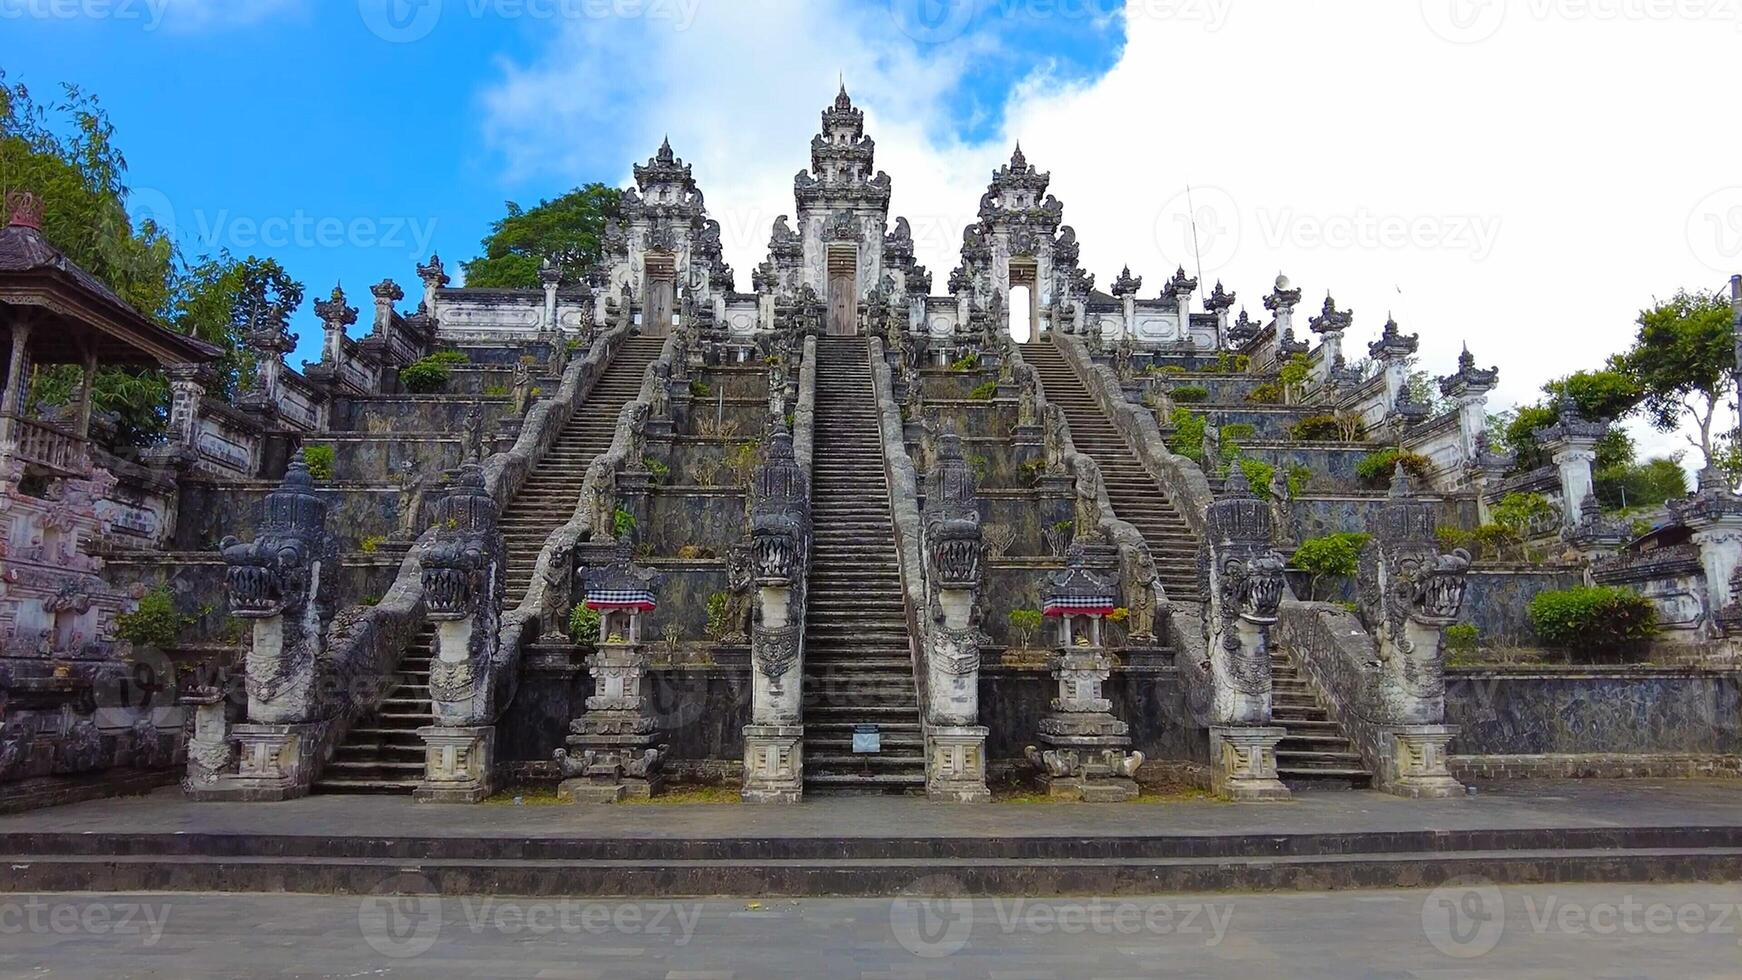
148	13
402	926
34	915
932	928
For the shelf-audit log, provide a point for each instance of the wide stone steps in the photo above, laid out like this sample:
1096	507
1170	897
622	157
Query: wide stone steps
384	754
548	499
1315	753
1135	497
858	667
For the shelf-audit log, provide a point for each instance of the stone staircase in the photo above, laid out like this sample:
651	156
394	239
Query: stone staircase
1136	498
1315	754
553	489
384	753
858	664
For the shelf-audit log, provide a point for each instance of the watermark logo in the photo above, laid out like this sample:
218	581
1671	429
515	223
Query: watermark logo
1715	229
403	918
148	13
1203	222
929	927
1464	21
1464	918
400	21
932	21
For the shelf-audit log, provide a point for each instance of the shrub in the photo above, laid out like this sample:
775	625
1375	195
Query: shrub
717	607
1188	434
967	362
1452	538
695	552
659	470
1377	468
1521	515
700	389
372	543
1602	620
1190	394
1332	556
1239	432
1316	428
495	391
741	462
622	523
1025	623
984	391
1258	474
1268	393
154	622
584	625
981	466
1229	363
1461	639
320	461
428	374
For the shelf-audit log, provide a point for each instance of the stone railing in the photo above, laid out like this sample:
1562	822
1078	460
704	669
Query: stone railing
903	479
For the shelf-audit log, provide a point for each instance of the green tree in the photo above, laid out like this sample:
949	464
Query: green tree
222	299
1683	358
568	231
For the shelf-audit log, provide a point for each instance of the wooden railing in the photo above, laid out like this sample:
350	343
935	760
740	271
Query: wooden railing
48	446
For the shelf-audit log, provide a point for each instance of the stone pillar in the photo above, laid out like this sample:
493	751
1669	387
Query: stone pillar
462	586
187	390
1245	590
1125	290
550	277
335	316
386	293
780	559
434	278
1410	593
1220	302
1393	350
1714	514
1330	325
1281	303
1082	754
284	583
955	741
1572	443
1468	389
1180	289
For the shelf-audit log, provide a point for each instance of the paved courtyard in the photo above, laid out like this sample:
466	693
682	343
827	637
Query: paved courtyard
1684	932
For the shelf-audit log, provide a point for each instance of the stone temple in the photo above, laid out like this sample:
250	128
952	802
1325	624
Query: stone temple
843	532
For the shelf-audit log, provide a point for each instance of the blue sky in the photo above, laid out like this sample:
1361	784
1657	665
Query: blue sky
290	128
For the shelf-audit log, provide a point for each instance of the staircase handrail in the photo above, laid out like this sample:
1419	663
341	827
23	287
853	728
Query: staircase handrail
1339	657
904	513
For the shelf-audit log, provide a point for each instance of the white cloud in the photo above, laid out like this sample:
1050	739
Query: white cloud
1525	193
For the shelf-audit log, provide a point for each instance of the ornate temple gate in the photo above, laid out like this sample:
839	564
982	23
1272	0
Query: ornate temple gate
661	294
843	291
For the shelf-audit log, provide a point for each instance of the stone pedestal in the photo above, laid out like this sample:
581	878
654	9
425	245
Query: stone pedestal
955	770
1413	762
1083	753
615	749
773	763
274	763
456	767
1243	761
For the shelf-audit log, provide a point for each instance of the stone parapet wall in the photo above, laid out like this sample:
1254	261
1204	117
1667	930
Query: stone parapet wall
1623	711
1595	766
